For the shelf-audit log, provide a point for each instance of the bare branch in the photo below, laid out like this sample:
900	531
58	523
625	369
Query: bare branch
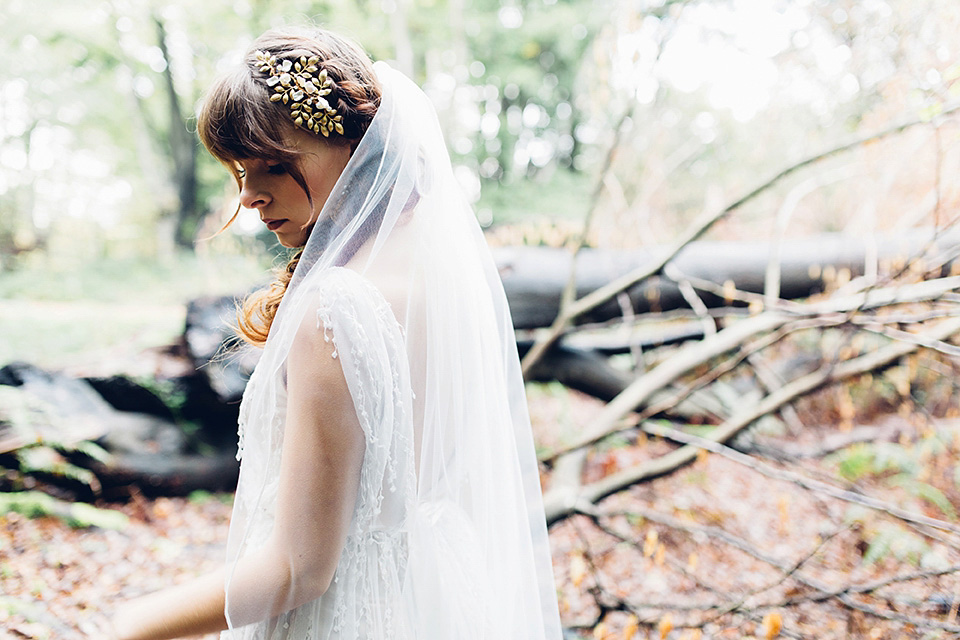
693	355
592	300
709	444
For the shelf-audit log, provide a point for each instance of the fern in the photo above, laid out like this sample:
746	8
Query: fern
927	492
42	459
36	504
891	539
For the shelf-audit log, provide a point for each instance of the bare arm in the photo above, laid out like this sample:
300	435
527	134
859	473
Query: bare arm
319	476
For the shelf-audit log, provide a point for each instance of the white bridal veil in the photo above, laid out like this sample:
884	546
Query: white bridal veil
448	539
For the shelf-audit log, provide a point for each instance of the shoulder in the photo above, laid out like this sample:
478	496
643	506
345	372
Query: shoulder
341	306
348	303
313	355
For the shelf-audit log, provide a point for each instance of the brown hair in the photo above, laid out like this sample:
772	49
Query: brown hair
238	122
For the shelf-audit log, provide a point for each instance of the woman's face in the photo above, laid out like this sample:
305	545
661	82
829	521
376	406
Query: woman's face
281	203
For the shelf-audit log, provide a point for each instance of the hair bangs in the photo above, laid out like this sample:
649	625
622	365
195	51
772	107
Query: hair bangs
238	121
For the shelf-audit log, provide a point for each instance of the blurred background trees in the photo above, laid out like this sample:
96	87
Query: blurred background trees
98	155
102	179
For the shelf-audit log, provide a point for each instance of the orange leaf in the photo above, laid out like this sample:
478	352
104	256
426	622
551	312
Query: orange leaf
600	631
650	542
772	623
665	626
578	568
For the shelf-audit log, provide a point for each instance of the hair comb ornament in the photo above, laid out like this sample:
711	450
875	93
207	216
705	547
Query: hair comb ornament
302	85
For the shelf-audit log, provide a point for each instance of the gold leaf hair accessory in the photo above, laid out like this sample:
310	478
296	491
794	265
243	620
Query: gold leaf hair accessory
302	85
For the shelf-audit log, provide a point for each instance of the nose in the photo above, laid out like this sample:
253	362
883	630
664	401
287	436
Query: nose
252	197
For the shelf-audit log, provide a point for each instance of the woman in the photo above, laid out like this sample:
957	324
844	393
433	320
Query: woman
388	484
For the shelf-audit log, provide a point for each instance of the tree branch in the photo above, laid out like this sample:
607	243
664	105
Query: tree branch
592	300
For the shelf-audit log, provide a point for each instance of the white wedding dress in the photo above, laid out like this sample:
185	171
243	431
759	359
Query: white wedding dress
448	539
365	599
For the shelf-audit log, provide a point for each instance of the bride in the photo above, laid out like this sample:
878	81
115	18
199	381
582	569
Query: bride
388	484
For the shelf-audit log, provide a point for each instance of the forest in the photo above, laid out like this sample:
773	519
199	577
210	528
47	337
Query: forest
728	235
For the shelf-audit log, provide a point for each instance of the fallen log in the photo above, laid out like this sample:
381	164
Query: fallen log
563	500
534	277
147	450
166	475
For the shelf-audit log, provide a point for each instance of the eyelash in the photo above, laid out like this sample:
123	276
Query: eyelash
274	169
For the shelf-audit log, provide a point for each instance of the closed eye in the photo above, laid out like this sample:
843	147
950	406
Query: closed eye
276	169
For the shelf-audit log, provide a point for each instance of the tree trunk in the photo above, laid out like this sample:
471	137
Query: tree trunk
183	151
534	277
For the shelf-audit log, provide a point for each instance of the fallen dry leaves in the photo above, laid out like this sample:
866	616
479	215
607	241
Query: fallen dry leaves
61	583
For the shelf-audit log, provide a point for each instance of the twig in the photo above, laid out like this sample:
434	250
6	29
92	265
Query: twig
570	289
923	623
822	591
594	299
786	574
690	295
557	509
915	338
770	380
636	607
828	444
771	288
732	337
797	479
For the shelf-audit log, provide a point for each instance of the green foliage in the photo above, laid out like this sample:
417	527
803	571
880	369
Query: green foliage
200	496
926	492
560	195
40	459
901	466
890	458
874	458
170	393
132	280
92	450
35	504
32	421
53	316
892	539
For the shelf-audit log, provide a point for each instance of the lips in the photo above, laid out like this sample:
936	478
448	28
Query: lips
273	225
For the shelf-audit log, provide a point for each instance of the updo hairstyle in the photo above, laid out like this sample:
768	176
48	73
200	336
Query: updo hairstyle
237	121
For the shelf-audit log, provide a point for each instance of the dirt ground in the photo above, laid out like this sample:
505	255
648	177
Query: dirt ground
691	555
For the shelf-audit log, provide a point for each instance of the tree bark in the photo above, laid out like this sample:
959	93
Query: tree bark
534	277
183	150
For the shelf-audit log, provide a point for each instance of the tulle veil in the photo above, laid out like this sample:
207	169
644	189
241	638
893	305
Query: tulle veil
453	479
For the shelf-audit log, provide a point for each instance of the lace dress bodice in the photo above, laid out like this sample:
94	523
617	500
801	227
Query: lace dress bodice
365	599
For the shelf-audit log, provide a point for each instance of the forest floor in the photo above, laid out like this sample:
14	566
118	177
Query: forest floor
693	554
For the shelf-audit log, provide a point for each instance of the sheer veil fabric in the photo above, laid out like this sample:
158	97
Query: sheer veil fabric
448	539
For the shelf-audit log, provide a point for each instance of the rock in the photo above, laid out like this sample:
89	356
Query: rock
123	394
139	432
69	395
216	352
188	400
147	450
75	412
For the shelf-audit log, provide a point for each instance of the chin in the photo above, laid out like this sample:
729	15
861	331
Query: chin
292	242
